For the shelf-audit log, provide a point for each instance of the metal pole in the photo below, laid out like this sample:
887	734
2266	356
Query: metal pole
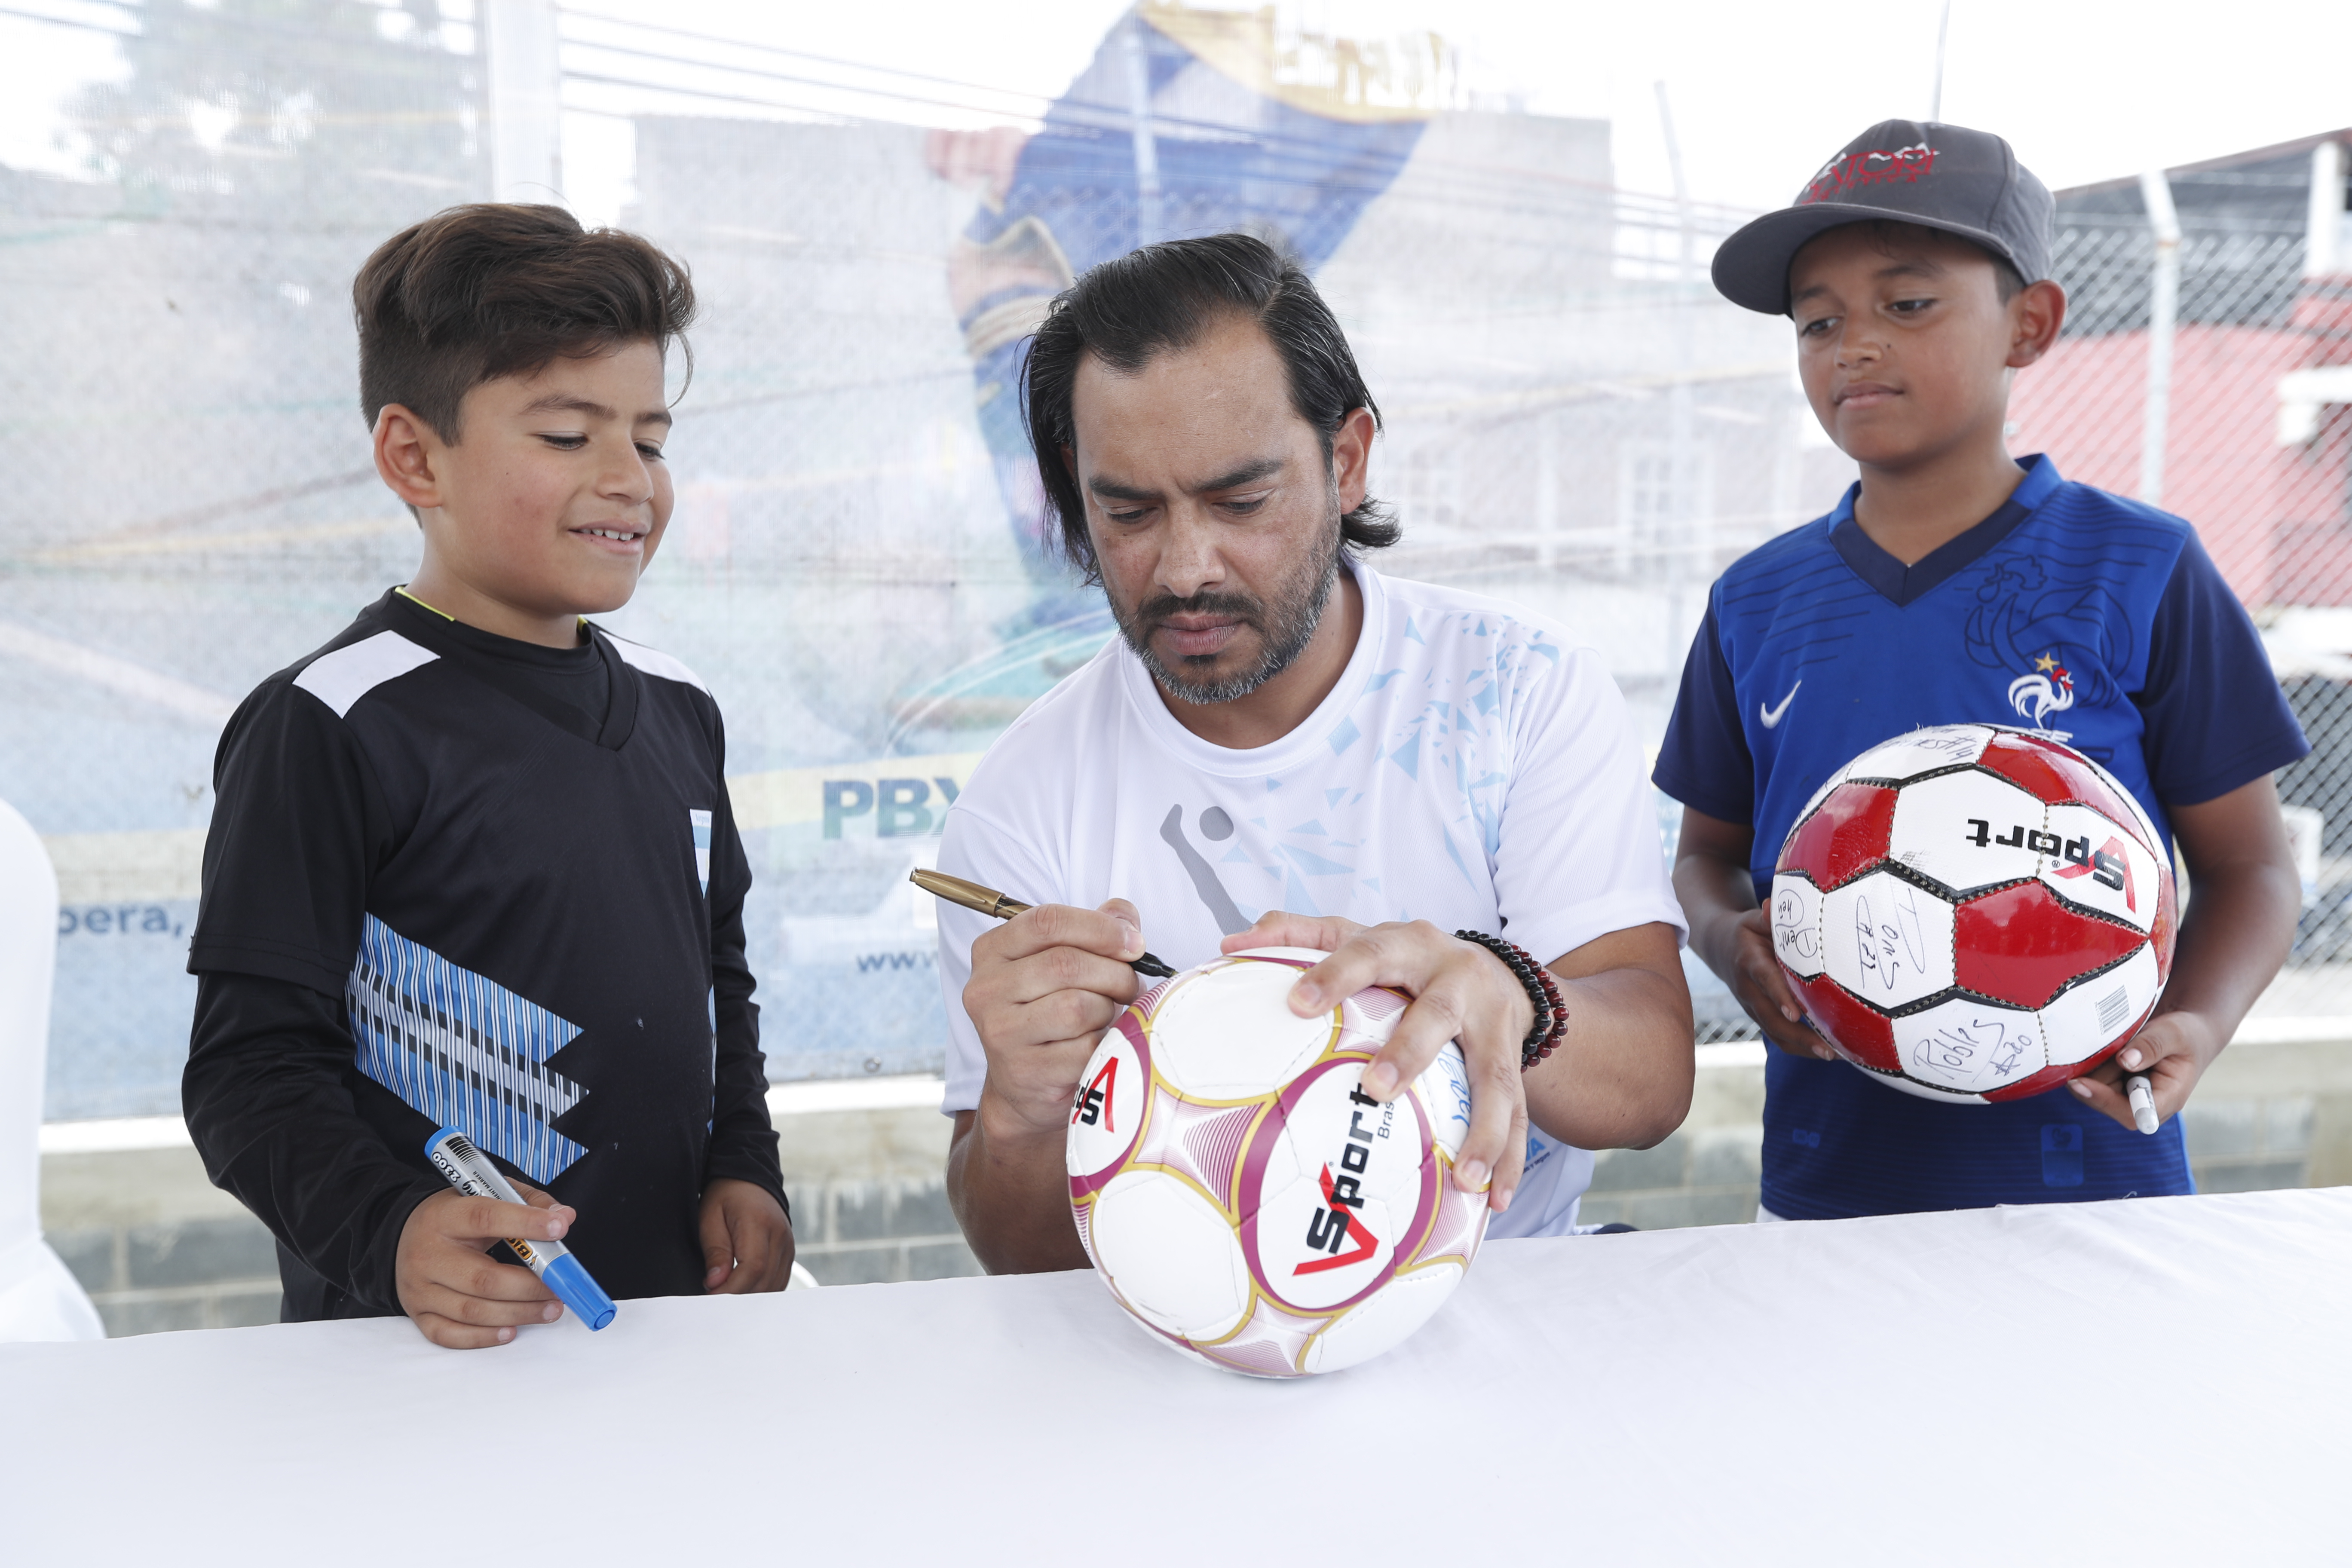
1148	227
1682	187
2164	296
1936	98
2322	238
526	104
1683	529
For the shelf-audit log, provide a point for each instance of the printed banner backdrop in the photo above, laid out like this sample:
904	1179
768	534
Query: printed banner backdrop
857	565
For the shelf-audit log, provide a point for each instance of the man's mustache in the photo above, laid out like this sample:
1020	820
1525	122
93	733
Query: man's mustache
1241	606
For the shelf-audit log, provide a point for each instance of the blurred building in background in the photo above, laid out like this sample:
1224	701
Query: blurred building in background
1574	421
2252	440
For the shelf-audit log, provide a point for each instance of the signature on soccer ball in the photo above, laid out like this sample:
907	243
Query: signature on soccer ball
1790	928
1955	1049
1885	947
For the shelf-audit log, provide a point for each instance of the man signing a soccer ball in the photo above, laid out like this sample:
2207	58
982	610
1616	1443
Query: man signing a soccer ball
1284	747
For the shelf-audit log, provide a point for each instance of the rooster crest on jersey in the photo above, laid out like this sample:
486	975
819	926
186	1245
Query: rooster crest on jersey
1974	912
2049	690
1242	1197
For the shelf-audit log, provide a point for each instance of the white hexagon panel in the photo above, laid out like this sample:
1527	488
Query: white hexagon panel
1797	925
1170	1255
1887	941
1970	1046
1922	751
1968	830
1238	1031
2095	1014
2088	860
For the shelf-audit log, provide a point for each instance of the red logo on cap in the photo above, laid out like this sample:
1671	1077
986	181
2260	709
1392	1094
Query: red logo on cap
1906	165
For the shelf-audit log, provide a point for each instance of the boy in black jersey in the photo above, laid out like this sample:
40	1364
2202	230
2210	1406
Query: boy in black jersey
472	862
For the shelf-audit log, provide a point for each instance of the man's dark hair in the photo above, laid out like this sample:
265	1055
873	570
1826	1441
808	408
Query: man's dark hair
1164	297
480	292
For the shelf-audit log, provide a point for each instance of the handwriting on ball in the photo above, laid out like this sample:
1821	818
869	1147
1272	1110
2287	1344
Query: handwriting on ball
1979	1050
1887	945
1792	926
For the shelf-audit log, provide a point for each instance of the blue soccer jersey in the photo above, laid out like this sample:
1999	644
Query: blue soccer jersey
2096	620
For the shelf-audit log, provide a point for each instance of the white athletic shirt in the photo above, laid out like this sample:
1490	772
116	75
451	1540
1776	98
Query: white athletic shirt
1472	767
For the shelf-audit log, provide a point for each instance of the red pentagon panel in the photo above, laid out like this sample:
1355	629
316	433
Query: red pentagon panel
2022	946
2166	927
2058	775
1862	1030
2032	768
1845	835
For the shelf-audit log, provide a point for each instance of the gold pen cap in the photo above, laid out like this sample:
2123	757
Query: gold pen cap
970	895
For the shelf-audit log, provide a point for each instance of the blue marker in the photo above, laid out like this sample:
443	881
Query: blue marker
454	1156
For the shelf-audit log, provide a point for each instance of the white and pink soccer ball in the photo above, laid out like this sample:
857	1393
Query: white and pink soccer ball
1974	913
1243	1198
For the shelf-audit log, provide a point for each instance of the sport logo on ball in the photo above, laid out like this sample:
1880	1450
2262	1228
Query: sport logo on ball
1974	913
1242	1197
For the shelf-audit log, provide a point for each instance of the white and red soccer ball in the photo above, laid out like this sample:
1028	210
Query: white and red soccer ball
1974	913
1242	1196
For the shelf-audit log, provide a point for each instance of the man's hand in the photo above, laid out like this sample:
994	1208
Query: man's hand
456	1296
1044	986
747	1239
1461	992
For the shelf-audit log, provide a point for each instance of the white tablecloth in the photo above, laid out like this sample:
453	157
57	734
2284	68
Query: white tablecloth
2160	1381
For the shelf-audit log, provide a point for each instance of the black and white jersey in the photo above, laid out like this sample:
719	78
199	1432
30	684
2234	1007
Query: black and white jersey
517	871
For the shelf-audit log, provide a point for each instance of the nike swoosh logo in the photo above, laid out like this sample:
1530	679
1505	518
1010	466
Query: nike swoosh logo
1772	716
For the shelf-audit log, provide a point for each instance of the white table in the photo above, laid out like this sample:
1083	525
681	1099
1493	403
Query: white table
2168	1380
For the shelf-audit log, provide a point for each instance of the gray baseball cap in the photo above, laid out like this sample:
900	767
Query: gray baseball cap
1963	182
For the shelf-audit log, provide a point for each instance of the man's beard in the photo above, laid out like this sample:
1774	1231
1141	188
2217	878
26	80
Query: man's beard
1285	625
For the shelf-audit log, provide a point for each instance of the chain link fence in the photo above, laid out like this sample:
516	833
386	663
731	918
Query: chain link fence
2265	471
1573	421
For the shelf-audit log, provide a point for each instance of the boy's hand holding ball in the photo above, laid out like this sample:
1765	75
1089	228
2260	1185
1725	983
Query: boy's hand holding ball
1760	987
2171	1051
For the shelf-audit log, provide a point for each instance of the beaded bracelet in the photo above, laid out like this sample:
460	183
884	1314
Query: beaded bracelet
1543	994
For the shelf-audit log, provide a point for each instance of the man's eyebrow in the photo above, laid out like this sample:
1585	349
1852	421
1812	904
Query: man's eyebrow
1256	468
1249	473
1111	489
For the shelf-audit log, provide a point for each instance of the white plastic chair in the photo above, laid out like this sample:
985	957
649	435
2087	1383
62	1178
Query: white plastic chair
39	1299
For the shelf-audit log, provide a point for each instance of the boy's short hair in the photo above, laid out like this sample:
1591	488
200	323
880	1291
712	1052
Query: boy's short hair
494	290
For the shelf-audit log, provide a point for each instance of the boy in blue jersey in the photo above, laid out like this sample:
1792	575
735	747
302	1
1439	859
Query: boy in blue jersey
1914	266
